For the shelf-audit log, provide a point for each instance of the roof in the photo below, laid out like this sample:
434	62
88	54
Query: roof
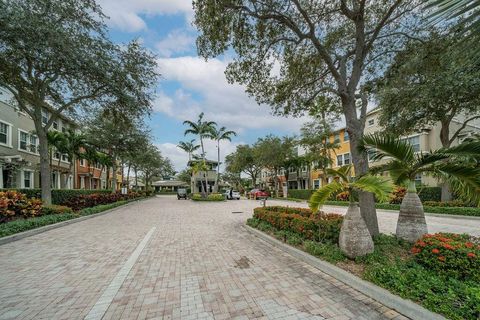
169	183
139	184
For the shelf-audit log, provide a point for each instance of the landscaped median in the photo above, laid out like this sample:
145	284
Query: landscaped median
19	213
210	197
441	272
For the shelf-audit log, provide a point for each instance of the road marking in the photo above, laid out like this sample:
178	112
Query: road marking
99	309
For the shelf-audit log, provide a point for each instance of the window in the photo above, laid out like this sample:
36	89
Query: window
4	133
340	160
82	162
343	159
346	137
371	122
44	116
56	154
23	141
27	179
316	184
64	129
33	144
64	157
55	125
415	142
336	138
292	170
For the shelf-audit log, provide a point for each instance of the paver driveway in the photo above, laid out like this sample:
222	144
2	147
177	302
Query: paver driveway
168	259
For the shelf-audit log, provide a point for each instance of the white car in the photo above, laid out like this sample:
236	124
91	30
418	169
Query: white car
235	195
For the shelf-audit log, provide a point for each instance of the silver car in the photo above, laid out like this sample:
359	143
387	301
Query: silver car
231	195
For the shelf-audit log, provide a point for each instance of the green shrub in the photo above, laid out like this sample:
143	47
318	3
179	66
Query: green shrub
210	197
55	209
449	296
103	207
60	196
449	254
327	251
300	194
449	204
17	226
320	227
430	193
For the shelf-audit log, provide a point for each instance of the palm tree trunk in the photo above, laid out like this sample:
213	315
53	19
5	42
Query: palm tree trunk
218	166
128	174
355	239
205	188
411	224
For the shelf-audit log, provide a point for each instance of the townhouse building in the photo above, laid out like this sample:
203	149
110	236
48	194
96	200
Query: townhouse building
425	139
20	159
19	149
203	179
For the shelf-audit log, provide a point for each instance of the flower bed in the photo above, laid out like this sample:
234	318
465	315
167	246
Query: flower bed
449	285
91	200
15	204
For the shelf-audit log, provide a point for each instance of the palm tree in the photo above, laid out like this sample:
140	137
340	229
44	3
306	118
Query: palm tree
56	143
218	135
106	161
450	165
202	129
74	144
355	239
189	147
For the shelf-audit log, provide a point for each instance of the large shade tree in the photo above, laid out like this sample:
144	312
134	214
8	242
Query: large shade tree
244	160
55	58
288	53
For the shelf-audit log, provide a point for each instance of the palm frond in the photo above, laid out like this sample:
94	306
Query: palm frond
387	145
342	172
379	186
466	180
468	10
321	195
426	159
468	149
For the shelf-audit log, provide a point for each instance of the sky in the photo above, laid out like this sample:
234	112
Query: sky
189	84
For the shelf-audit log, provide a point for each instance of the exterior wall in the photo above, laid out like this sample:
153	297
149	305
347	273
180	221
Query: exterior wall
21	151
428	139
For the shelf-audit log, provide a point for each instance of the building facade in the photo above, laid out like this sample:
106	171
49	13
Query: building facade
19	150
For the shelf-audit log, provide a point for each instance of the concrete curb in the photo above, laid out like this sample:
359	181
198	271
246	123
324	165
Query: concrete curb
32	232
403	306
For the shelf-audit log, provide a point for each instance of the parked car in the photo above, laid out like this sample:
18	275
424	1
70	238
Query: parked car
258	194
182	193
234	195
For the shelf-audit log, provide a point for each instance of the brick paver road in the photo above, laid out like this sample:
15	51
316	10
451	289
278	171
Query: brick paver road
168	259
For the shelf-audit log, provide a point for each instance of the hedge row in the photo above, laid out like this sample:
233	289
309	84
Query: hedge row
458	211
210	197
59	196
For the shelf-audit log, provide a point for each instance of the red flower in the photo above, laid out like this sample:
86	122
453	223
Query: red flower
421	243
415	250
471	255
448	247
436	251
441	258
469	245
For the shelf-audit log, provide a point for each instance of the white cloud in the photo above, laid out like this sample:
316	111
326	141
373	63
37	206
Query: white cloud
179	157
126	14
222	102
177	41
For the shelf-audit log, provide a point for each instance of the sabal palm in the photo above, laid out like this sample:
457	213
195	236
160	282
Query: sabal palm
404	164
355	239
219	135
202	129
189	147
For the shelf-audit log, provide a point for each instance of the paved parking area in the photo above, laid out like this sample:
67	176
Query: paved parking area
167	259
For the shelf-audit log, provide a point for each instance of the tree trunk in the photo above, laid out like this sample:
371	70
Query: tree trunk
114	178
128	175
136	177
218	166
411	224
355	239
446	194
44	165
360	164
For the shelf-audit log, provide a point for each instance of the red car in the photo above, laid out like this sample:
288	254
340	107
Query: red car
258	194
